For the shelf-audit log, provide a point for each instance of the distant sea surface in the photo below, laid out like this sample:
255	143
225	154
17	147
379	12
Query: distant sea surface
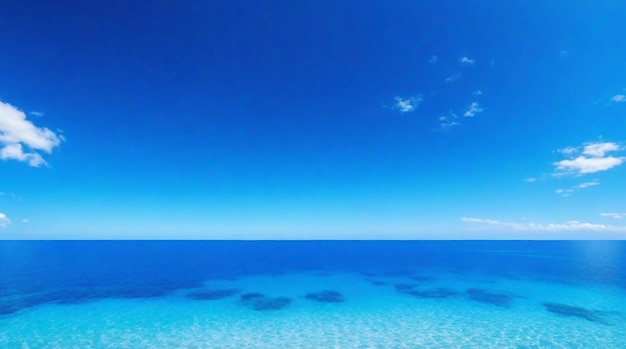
312	294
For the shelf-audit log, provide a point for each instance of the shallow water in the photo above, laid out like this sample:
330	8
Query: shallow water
374	294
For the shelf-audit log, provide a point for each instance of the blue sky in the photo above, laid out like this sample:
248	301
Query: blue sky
332	119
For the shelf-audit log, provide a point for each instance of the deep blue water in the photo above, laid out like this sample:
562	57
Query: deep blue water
33	273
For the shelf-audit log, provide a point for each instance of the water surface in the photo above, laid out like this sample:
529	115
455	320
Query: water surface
312	294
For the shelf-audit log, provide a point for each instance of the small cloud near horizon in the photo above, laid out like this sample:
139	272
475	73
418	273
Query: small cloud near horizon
573	225
614	215
4	220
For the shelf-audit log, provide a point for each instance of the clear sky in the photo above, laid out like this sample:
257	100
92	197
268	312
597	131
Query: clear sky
312	119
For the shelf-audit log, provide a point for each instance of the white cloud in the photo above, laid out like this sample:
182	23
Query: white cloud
4	220
467	60
25	220
570	190
433	60
593	158
474	109
600	149
445	122
575	226
405	105
477	93
614	215
454	77
531	180
618	99
568	150
588	184
15	152
584	165
36	113
17	132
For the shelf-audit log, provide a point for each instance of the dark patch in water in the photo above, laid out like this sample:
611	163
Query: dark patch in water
7	309
327	296
440	292
404	287
387	273
378	283
251	296
425	278
260	302
573	311
212	294
509	276
277	303
488	297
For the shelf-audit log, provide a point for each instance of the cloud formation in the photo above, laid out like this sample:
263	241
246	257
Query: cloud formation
447	122
4	220
21	140
618	99
474	109
467	60
570	190
575	226
454	77
589	158
405	105
614	215
433	60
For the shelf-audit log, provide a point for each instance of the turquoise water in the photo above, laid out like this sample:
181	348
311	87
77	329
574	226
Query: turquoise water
312	295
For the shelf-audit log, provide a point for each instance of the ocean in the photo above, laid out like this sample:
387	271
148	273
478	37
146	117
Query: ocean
312	294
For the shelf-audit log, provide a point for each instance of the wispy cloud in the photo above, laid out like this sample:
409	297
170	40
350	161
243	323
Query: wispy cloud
454	77
568	150
405	105
4	220
614	215
433	60
467	60
473	109
448	121
564	53
600	149
25	220
531	180
588	184
16	133
618	99
576	226
589	158
572	189
36	113
477	93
